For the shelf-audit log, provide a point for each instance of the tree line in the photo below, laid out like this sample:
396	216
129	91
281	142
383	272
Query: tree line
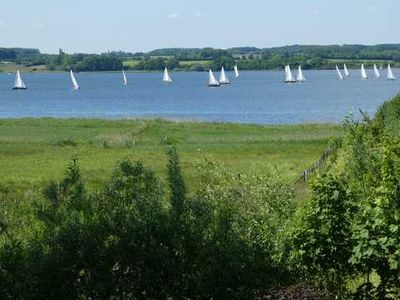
201	59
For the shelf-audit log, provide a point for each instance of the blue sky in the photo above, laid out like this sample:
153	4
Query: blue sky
130	25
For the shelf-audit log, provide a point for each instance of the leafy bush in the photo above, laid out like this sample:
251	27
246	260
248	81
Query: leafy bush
136	239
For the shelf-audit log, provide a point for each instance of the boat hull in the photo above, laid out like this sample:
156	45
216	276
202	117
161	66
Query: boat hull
19	88
290	81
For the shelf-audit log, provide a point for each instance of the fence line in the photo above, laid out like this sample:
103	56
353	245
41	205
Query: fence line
319	163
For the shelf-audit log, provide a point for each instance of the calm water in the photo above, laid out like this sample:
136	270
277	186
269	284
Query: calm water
257	97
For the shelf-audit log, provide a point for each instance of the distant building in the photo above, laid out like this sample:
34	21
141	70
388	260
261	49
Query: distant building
247	56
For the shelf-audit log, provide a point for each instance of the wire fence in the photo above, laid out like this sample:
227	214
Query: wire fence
316	166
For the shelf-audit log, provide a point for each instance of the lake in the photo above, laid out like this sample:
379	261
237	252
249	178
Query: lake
257	97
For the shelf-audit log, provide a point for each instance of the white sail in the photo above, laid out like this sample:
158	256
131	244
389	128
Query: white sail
223	79
289	76
376	72
346	72
300	75
363	72
124	77
19	84
390	75
339	73
166	77
237	75
75	85
211	79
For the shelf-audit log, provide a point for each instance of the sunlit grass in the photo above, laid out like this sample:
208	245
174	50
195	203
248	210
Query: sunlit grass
34	151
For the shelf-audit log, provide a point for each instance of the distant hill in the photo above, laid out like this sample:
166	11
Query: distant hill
16	53
201	59
380	52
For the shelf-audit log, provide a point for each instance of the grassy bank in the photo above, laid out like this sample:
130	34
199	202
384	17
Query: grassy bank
33	151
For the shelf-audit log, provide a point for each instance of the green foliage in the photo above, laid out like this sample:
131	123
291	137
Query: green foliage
376	231
323	242
350	226
388	116
133	239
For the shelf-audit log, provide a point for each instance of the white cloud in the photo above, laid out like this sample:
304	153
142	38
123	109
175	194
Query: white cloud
199	15
373	8
37	25
316	11
173	16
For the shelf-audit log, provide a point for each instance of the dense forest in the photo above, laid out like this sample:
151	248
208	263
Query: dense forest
200	59
233	236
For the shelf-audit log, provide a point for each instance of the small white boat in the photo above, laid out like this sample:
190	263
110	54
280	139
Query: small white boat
339	73
212	81
19	84
237	75
223	79
346	71
124	77
300	75
363	72
390	75
376	72
75	85
166	77
288	75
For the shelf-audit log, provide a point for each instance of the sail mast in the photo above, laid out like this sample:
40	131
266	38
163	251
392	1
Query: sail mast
300	75
223	79
346	71
124	77
166	77
376	71
339	73
237	75
75	85
390	75
289	76
19	84
212	82
363	72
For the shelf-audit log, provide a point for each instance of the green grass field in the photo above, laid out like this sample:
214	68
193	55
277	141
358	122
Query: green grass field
195	62
34	151
130	63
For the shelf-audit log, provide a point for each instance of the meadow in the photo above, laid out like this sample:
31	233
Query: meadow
210	213
34	151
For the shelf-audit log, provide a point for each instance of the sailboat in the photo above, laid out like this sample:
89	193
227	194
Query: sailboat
390	75
376	72
19	84
339	73
75	85
223	79
289	77
300	75
212	82
124	77
166	77
237	75
346	72
363	73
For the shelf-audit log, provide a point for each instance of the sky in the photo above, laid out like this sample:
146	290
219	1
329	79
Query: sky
95	26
